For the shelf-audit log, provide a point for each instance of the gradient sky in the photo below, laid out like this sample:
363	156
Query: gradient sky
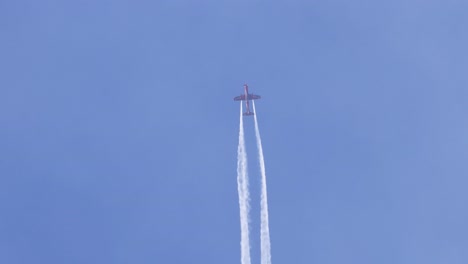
118	132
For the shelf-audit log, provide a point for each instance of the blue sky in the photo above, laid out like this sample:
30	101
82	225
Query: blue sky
118	131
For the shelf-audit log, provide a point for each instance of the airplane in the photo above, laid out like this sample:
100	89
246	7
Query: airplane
247	97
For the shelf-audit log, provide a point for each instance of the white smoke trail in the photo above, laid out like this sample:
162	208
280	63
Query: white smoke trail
265	246
243	190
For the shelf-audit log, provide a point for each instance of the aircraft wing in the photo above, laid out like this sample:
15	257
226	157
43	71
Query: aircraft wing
254	96
239	98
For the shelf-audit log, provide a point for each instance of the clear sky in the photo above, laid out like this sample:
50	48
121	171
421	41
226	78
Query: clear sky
118	132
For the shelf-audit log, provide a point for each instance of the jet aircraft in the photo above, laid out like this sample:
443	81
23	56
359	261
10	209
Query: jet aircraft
247	97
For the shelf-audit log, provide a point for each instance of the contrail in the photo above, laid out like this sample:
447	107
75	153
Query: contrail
243	190
264	226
